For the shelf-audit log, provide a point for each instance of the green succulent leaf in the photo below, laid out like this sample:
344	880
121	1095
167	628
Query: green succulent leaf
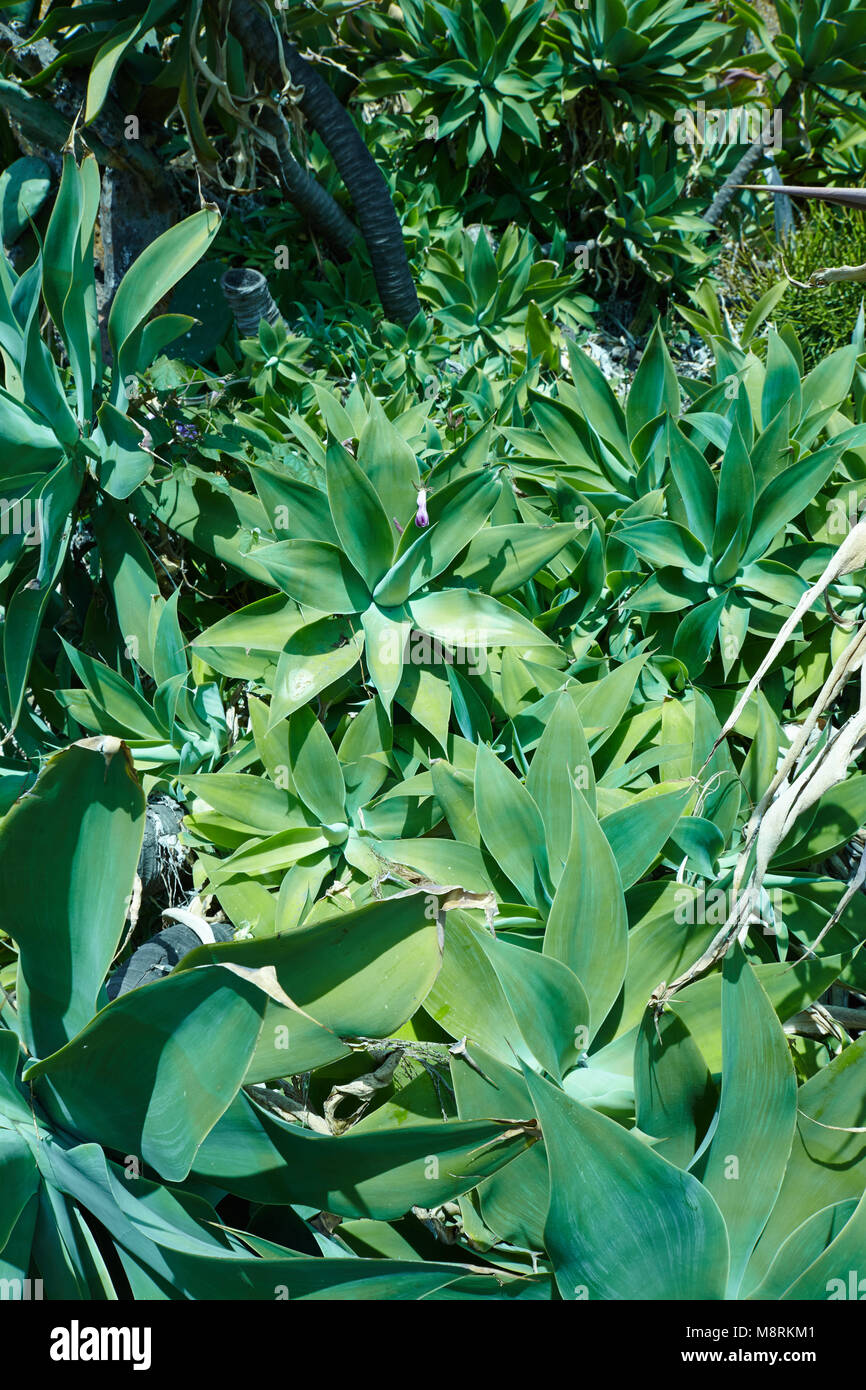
317	575
757	1113
587	927
379	1175
150	1084
511	827
64	899
365	532
622	1222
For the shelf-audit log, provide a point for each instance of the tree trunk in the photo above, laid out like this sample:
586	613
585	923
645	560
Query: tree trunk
249	298
314	202
360	173
731	185
744	166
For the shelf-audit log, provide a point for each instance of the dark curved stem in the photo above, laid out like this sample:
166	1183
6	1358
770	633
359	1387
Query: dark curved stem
744	166
313	201
360	173
738	175
249	298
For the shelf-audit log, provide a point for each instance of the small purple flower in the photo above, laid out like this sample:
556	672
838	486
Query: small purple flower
421	517
188	432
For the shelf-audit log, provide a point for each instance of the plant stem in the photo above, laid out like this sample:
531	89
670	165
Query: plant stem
360	173
744	166
312	200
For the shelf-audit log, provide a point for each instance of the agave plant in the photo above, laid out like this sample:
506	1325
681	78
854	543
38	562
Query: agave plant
661	1196
605	1073
647	212
511	725
84	1134
784	1233
642	55
390	557
821	42
544	1036
478	68
491	300
185	726
319	818
717	555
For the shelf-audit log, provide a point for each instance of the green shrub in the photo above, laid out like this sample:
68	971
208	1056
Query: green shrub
821	319
511	725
